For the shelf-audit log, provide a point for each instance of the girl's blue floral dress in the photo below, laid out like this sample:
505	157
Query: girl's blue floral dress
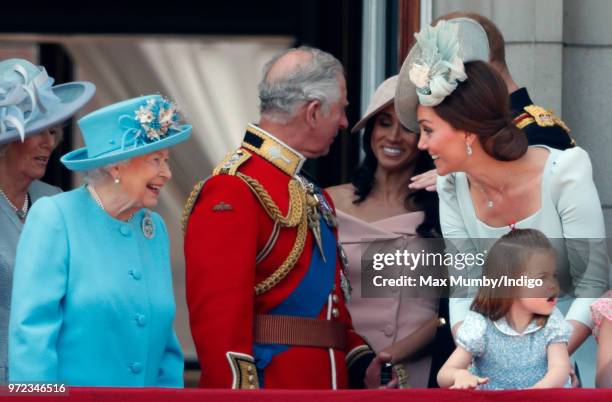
511	360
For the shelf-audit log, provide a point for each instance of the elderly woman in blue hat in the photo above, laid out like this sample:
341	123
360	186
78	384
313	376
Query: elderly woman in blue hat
32	111
93	302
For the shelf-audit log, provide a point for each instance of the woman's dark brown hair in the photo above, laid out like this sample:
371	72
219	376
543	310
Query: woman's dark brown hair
480	105
363	180
508	257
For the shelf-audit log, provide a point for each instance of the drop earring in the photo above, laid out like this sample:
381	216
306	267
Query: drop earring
468	149
117	180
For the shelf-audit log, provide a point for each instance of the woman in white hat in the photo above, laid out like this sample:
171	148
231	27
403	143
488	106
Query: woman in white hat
32	111
93	302
378	204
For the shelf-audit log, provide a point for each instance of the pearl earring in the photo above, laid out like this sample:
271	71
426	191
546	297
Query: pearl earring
468	149
117	180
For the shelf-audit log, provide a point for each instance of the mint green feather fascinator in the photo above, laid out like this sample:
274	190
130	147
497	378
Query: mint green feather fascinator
434	66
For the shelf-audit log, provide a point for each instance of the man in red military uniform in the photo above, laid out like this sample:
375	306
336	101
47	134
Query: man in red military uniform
265	284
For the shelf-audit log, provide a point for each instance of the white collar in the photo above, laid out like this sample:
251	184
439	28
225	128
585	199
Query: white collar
505	328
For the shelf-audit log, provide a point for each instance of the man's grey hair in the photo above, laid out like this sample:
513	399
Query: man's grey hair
315	79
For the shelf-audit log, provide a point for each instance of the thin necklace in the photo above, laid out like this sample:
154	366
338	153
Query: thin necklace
98	201
490	203
21	212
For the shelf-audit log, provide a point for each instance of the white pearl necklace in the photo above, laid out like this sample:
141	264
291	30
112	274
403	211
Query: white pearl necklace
98	201
96	197
21	212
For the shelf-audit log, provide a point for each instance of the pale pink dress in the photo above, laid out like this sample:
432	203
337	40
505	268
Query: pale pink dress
382	321
601	310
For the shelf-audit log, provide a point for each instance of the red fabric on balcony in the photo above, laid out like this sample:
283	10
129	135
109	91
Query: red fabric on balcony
172	395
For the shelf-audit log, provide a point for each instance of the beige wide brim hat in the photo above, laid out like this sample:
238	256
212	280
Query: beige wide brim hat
473	45
383	97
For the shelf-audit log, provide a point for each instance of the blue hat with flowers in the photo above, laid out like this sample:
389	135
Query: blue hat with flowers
435	65
127	129
29	103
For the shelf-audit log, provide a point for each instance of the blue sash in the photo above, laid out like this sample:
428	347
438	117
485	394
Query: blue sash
307	299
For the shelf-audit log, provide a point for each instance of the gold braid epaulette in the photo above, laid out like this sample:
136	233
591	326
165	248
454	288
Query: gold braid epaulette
297	200
193	196
296	216
229	165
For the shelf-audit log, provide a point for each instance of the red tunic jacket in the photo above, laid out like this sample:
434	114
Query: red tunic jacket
227	229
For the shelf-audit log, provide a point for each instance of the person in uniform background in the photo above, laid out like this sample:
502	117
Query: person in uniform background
93	301
266	287
32	111
540	125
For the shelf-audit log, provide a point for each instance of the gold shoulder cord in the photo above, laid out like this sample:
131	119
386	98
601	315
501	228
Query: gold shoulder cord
229	165
296	201
193	196
295	216
287	265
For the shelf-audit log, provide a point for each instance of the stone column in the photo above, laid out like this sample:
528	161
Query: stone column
587	87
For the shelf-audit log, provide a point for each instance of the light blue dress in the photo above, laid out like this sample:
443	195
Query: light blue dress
10	229
511	360
92	300
570	213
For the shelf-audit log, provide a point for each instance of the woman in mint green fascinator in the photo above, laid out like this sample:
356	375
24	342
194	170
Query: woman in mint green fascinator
32	111
491	182
93	303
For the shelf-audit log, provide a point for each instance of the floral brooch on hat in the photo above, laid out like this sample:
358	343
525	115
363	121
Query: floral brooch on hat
151	123
437	69
157	117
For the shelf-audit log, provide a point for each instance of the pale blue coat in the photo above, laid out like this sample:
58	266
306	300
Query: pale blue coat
92	301
10	230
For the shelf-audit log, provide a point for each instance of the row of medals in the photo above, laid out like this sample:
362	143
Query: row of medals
318	206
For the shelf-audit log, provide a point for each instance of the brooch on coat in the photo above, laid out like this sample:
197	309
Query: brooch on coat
147	226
